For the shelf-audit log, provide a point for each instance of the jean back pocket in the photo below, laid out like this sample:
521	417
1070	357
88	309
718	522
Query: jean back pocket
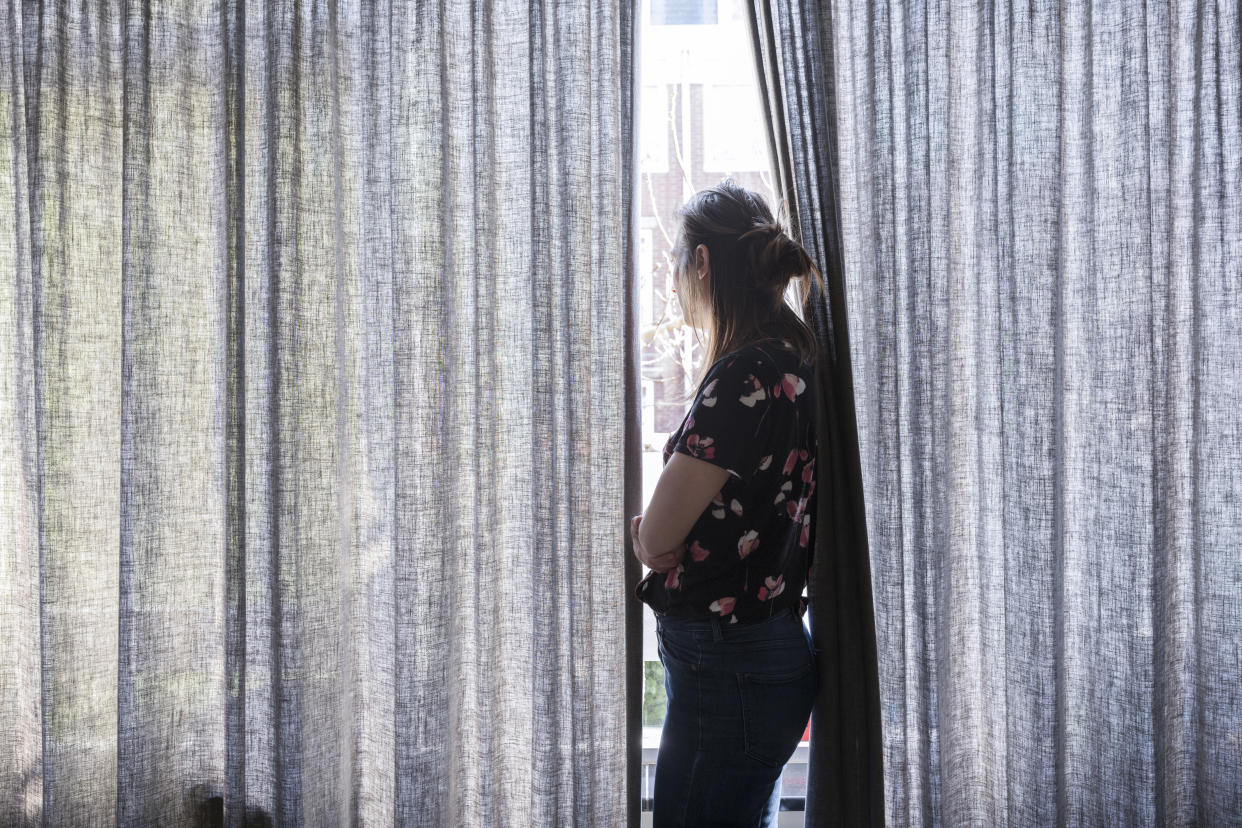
775	710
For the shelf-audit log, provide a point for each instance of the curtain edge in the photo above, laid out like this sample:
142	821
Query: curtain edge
633	461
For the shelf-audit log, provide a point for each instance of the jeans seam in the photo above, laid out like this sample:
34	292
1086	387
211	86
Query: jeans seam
688	788
698	699
688	784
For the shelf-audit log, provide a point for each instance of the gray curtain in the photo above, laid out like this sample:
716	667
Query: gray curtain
1041	226
311	496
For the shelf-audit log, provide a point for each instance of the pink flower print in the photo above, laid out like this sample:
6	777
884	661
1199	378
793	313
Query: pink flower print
772	587
723	606
698	552
735	507
747	543
756	392
790	461
718	507
689	423
786	488
803	454
795	510
673	579
805	538
765	462
701	446
709	394
808	472
791	384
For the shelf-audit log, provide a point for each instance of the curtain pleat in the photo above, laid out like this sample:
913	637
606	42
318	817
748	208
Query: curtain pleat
313	437
21	697
1041	225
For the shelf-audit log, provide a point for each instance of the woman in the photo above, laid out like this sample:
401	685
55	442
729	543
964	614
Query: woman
728	531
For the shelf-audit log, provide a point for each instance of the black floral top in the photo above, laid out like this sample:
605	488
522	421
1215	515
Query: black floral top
748	553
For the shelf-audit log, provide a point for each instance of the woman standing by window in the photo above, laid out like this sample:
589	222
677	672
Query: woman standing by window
728	533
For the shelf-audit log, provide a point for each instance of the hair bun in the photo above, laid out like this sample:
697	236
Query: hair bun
773	256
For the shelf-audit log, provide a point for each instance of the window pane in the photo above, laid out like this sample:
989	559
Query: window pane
654	129
682	12
734	136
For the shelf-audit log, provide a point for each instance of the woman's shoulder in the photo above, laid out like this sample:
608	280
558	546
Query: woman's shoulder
745	364
765	357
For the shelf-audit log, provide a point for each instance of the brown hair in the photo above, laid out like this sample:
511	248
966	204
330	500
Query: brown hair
752	260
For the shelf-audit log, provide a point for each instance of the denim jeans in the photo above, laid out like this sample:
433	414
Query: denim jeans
739	696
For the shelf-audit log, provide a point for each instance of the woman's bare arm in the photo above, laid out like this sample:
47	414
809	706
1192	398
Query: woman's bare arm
685	488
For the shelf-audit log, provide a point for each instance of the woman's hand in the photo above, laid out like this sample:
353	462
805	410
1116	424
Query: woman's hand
660	562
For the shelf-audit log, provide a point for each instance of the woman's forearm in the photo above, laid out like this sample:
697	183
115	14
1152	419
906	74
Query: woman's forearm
685	488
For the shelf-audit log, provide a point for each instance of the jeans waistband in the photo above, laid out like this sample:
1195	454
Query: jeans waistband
718	625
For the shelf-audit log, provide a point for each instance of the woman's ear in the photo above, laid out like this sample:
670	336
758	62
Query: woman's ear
702	261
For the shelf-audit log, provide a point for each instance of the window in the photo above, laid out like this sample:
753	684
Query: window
682	12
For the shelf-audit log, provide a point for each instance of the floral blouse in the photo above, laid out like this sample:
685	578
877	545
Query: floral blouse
748	554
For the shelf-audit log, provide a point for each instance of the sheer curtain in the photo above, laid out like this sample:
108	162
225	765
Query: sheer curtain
311	496
1041	225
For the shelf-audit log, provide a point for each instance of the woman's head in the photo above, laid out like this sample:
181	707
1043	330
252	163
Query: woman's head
732	265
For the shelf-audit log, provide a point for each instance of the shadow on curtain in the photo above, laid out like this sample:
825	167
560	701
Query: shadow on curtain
1041	231
310	496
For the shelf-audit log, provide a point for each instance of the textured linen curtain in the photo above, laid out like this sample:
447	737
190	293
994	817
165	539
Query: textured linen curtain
1041	214
311	497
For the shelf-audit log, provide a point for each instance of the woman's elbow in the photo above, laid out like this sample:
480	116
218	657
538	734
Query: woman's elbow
657	538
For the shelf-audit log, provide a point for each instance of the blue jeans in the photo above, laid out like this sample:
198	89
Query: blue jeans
739	696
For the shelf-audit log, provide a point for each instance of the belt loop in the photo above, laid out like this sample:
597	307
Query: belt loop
717	633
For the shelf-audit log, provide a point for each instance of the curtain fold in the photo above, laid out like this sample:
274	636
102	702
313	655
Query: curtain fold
312	488
793	51
1041	226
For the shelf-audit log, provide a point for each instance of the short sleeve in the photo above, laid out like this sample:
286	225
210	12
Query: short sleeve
730	422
